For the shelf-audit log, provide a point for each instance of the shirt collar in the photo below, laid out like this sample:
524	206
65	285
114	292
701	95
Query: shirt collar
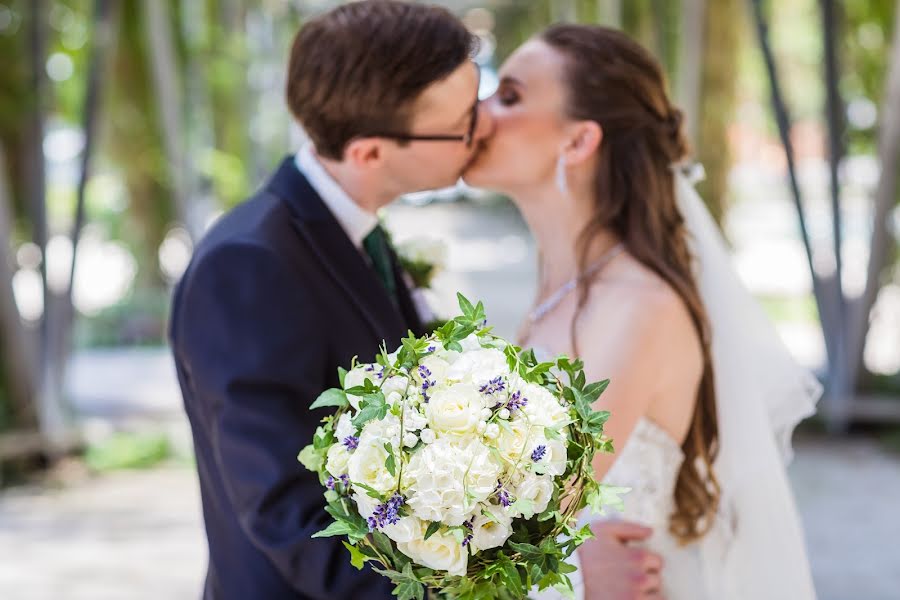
356	221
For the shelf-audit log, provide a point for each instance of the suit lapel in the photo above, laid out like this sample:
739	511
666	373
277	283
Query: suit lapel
341	259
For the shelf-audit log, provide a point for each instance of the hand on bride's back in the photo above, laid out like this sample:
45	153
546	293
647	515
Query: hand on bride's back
614	570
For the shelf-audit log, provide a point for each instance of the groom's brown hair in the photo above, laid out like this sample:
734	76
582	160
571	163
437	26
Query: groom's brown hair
359	68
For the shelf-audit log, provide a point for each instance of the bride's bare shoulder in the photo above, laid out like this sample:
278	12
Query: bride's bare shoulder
640	300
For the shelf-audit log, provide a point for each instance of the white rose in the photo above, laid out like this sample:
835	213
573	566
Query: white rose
431	368
366	466
536	488
456	409
338	459
365	504
445	480
406	529
542	407
397	384
441	552
344	428
514	440
554	458
488	533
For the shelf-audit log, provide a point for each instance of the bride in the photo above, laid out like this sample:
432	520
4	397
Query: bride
635	280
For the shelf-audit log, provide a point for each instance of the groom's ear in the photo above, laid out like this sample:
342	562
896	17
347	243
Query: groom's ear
364	153
584	142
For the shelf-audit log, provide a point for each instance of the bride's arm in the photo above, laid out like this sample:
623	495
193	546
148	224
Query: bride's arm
651	354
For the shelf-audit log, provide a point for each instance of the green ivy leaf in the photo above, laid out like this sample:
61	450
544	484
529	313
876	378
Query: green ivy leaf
468	310
336	528
602	496
389	463
311	458
594	390
372	407
383	543
357	558
331	397
370	491
433	528
409	590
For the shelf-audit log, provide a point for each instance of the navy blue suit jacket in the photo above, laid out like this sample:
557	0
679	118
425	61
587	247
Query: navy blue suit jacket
274	300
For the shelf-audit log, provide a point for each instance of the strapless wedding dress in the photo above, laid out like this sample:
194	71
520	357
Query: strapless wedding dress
648	464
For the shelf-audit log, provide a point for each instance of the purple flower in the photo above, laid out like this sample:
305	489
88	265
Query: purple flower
503	496
516	402
424	374
468	525
351	442
387	513
539	453
343	480
494	386
430	349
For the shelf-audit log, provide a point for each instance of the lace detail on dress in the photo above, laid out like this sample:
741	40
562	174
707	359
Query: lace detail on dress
648	464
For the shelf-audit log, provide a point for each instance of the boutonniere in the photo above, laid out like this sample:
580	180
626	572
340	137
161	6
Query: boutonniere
422	258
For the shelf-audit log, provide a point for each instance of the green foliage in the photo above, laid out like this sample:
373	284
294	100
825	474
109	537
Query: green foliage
129	451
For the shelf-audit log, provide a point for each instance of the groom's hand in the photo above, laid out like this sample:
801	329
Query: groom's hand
613	570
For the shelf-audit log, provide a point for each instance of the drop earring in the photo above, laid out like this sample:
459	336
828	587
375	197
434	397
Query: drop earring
562	180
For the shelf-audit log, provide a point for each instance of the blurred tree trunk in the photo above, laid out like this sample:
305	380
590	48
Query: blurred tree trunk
690	64
132	135
169	100
885	199
52	414
564	11
717	100
610	12
833	314
17	354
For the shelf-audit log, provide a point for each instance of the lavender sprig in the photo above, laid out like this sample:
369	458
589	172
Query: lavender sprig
387	513
516	402
494	386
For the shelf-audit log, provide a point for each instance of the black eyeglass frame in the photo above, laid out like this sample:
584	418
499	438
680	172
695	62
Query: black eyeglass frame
468	138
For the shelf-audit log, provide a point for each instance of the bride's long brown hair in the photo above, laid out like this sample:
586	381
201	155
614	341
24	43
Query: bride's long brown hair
615	82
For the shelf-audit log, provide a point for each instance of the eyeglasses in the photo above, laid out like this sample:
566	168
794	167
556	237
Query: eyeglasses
468	138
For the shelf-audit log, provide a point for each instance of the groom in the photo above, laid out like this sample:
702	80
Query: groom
300	279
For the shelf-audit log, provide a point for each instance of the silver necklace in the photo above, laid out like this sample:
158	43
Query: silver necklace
541	310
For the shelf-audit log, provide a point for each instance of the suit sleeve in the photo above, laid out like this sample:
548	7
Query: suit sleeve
256	349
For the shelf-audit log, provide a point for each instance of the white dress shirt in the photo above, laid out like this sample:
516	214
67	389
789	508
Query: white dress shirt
356	221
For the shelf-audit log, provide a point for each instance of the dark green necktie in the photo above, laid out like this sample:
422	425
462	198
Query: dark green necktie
376	246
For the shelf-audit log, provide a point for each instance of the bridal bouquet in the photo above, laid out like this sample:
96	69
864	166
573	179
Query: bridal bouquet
459	463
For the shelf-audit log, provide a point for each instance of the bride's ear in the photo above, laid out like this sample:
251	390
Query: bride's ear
584	143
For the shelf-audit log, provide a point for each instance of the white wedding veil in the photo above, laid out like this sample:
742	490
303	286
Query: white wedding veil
755	548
